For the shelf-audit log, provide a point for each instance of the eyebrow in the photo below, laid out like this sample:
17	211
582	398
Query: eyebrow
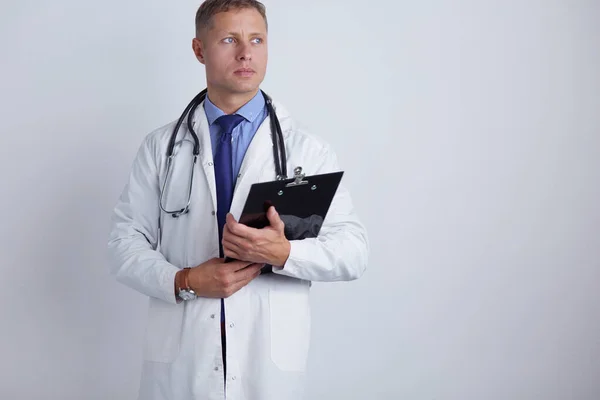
252	34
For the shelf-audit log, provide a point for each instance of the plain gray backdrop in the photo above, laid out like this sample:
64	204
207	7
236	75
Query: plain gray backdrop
470	136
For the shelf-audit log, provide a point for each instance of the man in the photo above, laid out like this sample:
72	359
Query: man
246	334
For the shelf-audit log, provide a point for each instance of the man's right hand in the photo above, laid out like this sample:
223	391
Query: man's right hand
217	279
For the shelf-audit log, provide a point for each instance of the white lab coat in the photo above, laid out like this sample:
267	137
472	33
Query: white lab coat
268	321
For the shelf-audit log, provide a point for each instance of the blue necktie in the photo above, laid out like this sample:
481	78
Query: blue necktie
224	181
224	170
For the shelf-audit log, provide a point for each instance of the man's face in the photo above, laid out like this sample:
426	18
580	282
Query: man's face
234	51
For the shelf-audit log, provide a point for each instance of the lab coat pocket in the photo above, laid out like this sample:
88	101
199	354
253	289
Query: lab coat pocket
290	324
163	331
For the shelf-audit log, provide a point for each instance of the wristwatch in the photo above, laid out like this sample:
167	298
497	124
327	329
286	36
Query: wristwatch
185	292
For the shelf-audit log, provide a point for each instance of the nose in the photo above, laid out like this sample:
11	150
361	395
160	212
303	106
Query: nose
245	53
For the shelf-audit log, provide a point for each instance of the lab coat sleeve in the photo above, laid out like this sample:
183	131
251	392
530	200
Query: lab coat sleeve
340	251
133	259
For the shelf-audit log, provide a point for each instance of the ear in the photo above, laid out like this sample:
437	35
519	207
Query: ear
198	50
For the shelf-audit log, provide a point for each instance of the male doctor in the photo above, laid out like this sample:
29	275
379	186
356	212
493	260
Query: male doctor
220	330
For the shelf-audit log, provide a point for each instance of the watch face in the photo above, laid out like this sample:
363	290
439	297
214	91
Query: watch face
187	294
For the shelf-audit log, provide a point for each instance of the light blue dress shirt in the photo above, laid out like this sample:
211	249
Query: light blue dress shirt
254	113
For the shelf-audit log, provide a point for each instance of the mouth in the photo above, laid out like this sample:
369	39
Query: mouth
244	72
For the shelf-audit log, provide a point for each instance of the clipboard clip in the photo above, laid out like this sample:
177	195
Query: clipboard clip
298	178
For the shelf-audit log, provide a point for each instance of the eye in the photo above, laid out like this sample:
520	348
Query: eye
228	40
257	40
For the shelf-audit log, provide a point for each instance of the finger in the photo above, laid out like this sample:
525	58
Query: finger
226	231
237	265
233	250
274	219
228	228
248	273
232	255
240	284
239	230
233	240
230	222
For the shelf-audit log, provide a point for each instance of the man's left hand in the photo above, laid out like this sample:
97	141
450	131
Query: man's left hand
266	246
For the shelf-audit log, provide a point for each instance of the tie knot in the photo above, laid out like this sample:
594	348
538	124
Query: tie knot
229	122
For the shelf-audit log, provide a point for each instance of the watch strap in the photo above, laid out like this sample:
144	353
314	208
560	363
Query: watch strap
183	283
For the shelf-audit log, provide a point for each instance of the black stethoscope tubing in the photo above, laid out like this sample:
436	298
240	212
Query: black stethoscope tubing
279	154
276	133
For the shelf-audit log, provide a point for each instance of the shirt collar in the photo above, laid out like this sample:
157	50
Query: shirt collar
249	111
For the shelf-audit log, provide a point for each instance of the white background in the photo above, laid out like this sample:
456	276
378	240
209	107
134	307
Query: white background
470	136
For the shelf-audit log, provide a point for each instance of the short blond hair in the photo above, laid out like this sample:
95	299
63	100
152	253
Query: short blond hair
211	7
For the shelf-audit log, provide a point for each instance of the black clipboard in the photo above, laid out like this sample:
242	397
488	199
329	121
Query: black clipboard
302	203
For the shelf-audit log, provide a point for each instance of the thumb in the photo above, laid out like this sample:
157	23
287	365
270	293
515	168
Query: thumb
274	219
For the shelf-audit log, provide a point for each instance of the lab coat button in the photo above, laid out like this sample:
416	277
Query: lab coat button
231	325
233	377
212	316
216	368
210	164
213	213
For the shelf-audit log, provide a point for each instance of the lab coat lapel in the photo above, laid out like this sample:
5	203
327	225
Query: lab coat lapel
206	163
258	156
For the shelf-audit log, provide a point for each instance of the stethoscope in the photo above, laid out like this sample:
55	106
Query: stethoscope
276	136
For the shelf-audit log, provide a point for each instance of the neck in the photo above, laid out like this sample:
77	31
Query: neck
229	102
